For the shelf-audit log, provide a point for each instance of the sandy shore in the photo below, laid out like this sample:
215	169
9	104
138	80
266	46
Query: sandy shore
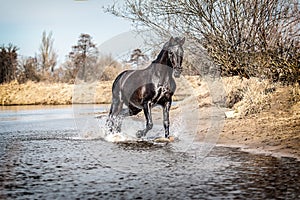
274	131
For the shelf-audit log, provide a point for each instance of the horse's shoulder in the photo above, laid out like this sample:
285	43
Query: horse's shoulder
117	79
122	74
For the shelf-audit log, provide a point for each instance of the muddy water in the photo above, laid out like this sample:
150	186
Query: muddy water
43	155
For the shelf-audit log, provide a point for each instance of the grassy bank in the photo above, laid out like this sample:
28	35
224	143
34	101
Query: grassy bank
244	96
41	93
32	93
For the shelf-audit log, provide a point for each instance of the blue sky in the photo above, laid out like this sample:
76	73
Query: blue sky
22	23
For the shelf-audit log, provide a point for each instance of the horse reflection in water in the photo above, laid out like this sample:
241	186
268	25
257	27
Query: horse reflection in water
143	89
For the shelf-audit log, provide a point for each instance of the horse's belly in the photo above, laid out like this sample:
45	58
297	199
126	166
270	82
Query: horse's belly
133	98
136	104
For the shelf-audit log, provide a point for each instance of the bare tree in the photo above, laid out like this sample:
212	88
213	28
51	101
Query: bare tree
83	57
28	70
243	37
8	63
47	55
137	57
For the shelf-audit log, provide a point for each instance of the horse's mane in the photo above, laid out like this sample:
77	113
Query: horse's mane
159	58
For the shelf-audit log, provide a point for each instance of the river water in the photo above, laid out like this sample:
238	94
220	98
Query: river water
45	155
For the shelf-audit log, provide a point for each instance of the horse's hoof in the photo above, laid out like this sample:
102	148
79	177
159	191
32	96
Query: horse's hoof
171	138
139	134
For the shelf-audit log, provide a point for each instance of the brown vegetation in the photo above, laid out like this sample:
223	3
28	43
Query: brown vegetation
8	63
31	93
42	93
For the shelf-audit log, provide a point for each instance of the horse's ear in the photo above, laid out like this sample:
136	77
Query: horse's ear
182	41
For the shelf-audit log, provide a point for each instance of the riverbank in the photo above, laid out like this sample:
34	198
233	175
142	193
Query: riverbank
31	93
263	117
274	131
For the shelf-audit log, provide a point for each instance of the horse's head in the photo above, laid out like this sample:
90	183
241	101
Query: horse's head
175	53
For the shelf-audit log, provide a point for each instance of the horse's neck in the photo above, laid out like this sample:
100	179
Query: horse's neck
159	67
163	58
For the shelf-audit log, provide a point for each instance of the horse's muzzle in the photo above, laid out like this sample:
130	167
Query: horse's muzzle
177	74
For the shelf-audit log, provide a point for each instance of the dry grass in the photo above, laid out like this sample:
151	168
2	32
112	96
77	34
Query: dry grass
248	96
31	93
245	96
295	92
111	72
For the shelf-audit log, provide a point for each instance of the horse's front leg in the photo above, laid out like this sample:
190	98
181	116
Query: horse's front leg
166	110
149	123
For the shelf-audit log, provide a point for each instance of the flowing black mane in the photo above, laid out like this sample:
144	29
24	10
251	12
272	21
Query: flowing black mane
162	58
142	89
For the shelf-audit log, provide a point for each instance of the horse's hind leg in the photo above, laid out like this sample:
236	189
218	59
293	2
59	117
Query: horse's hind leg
113	120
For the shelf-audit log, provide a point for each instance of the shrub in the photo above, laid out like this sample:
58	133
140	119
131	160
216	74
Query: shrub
248	96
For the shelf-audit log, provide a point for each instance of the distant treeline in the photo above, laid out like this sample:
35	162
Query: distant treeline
83	63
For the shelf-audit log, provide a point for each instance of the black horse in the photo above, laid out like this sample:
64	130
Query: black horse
143	89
